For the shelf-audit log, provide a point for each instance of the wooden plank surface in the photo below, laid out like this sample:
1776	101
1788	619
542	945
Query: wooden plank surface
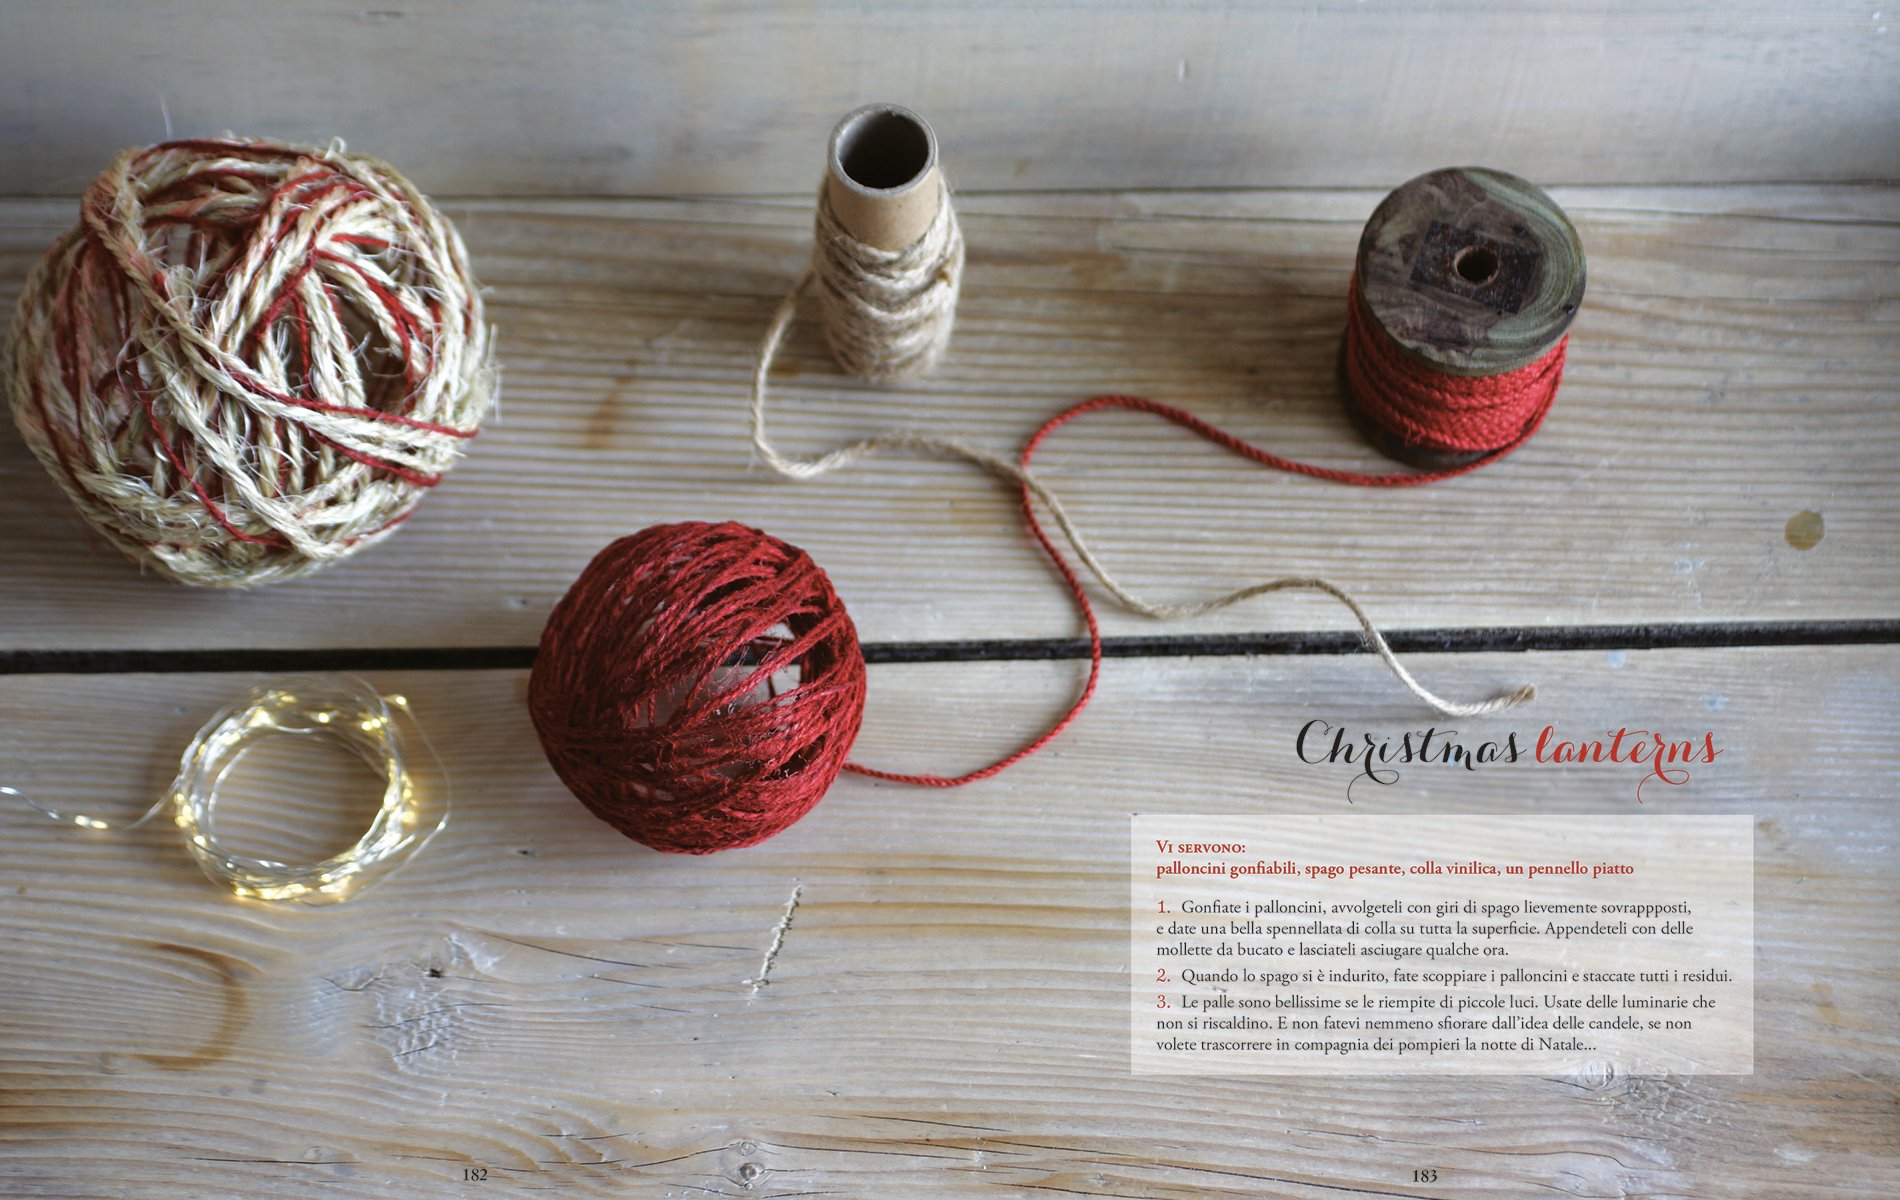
1734	365
919	992
595	97
945	1011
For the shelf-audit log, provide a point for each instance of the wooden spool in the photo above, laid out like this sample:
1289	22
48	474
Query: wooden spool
1470	272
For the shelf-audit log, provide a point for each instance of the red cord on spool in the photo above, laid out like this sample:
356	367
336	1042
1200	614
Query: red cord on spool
1463	290
1434	417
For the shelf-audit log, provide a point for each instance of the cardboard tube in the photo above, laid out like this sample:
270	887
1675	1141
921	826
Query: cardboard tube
882	175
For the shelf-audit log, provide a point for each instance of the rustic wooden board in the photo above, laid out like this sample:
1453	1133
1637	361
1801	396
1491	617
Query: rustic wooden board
595	97
1734	365
945	1011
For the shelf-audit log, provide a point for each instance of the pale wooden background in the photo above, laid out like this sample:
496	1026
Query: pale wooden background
1157	200
502	97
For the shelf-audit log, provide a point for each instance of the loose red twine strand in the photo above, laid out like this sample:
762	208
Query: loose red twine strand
1490	415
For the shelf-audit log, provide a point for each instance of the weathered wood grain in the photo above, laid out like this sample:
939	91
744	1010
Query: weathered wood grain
1734	365
490	97
945	1011
1471	271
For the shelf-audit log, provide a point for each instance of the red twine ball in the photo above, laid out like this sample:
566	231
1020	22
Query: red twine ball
699	686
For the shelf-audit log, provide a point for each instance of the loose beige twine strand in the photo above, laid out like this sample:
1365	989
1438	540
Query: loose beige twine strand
889	314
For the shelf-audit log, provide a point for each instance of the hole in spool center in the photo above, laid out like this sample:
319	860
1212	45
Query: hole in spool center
884	150
1476	264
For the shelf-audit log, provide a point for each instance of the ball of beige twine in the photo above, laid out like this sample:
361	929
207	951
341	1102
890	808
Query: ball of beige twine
249	359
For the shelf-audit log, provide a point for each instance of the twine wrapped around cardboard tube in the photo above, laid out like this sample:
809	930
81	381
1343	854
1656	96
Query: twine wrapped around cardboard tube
888	313
887	253
249	359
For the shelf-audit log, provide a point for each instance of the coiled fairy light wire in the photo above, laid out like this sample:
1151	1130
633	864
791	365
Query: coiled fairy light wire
340	708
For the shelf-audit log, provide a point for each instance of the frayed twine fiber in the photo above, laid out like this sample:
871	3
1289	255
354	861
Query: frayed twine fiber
249	359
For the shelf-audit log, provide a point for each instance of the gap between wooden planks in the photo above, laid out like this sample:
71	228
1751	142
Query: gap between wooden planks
1733	367
944	1011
